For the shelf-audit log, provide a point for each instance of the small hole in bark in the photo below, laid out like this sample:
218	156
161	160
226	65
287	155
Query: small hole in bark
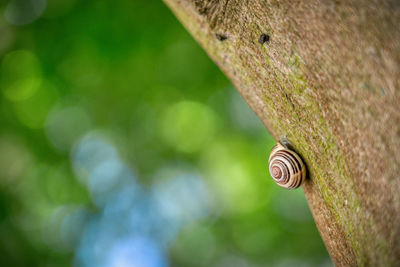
221	37
264	38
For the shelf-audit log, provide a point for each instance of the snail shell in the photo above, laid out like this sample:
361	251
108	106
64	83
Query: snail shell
286	167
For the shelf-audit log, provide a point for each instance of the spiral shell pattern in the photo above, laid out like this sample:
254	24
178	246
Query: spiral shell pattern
286	167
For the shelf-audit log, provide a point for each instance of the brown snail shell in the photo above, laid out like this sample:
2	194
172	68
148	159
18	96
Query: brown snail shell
286	167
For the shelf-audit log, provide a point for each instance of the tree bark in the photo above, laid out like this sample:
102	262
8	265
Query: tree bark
326	75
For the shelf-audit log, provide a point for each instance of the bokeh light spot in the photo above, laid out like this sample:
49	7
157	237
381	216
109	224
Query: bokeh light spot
73	225
15	158
20	75
230	177
138	251
188	126
194	246
32	112
52	226
233	260
107	178
184	198
20	12
64	125
90	152
7	34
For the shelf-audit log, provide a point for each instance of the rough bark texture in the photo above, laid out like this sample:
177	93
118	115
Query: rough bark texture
327	79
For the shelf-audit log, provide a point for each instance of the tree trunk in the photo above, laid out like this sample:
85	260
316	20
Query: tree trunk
326	75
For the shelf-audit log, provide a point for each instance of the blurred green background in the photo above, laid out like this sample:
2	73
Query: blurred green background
122	144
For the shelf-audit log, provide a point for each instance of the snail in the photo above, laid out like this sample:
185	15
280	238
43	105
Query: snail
286	167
